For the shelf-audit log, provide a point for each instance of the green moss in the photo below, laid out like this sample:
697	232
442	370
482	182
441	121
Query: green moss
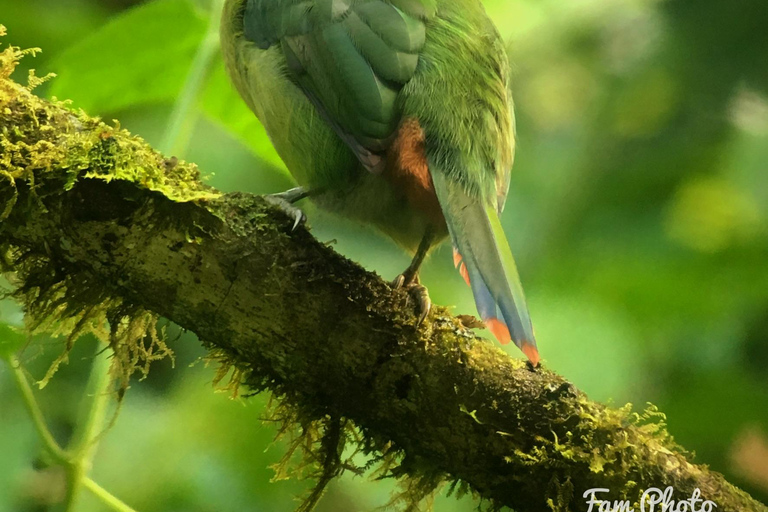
39	137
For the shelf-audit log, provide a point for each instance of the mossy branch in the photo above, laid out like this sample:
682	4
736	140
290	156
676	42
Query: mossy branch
95	225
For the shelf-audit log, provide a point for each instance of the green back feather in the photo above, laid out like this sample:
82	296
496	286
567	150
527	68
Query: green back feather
351	57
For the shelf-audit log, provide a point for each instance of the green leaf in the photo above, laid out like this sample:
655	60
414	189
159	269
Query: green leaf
141	56
11	340
221	102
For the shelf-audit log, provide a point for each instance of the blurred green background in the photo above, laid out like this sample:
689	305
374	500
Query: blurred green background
638	212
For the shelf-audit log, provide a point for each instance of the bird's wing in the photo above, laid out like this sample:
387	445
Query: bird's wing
350	57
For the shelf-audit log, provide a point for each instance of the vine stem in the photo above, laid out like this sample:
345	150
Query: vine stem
93	410
176	137
105	496
76	459
50	444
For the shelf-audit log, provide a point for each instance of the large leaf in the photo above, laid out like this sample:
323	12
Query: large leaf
221	103
140	57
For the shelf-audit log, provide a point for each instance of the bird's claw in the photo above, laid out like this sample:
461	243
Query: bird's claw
421	294
286	207
417	291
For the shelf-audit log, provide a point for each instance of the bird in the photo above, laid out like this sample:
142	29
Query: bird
397	114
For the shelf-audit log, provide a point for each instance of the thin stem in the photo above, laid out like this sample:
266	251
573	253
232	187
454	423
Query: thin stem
91	421
85	439
105	496
176	137
50	444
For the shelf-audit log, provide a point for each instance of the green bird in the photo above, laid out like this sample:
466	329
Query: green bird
396	113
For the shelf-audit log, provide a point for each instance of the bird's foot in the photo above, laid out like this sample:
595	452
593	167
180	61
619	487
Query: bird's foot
285	200
471	322
410	283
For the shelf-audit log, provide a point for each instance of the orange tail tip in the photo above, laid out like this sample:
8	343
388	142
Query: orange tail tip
499	330
464	273
531	353
459	263
456	258
501	333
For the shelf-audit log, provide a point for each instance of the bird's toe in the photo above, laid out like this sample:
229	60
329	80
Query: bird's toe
296	214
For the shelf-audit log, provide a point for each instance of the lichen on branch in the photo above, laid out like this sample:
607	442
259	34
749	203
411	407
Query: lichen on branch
44	142
98	227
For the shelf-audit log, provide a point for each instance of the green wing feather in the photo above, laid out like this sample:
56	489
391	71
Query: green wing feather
350	57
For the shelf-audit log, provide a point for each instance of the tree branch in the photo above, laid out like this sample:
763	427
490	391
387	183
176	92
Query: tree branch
94	222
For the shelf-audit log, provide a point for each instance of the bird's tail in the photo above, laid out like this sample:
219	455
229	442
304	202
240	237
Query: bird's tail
483	256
